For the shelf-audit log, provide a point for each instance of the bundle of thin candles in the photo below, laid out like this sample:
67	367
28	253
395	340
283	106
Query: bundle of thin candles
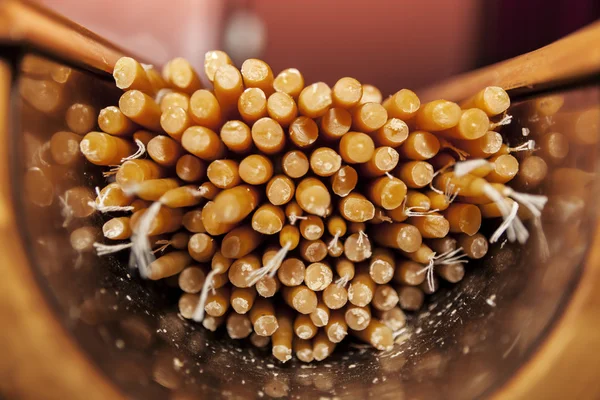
303	214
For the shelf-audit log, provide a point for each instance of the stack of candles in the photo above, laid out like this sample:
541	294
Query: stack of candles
298	215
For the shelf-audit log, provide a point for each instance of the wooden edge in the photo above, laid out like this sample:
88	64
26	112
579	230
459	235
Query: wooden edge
566	365
39	358
576	55
22	22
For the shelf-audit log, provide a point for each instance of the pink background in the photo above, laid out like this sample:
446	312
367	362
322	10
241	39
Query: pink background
389	43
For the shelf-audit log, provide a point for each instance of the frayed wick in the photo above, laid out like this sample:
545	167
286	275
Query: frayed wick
141	251
409	212
527	146
164	244
294	218
449	257
362	236
512	224
271	267
39	154
103	208
507	222
463	168
106	249
139	152
543	248
450	192
535	203
114	169
206	287
342	281
462	155
334	241
506	120
66	211
384	218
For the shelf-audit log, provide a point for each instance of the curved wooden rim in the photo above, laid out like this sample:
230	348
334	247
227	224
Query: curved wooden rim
39	359
28	23
566	364
577	55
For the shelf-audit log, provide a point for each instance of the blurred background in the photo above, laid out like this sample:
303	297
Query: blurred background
391	44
